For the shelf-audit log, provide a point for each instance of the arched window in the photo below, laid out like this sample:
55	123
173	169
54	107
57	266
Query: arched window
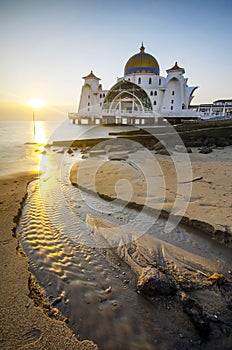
139	80
154	103
150	80
173	93
155	93
172	101
183	106
100	95
151	93
103	95
171	108
159	81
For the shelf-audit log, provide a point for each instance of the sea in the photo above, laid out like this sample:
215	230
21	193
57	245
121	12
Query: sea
22	142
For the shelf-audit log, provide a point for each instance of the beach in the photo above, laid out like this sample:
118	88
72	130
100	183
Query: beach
27	320
105	286
161	263
208	201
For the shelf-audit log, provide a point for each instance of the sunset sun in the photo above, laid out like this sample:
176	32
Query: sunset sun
36	103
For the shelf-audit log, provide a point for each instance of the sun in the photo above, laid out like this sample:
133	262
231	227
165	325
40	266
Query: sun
36	103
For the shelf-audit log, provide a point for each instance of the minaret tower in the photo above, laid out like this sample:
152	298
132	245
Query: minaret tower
89	101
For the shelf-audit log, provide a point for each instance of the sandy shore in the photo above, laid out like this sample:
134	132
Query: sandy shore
24	325
197	188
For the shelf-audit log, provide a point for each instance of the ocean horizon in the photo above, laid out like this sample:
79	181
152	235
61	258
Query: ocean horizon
20	149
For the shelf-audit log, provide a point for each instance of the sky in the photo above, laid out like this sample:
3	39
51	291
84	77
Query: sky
47	46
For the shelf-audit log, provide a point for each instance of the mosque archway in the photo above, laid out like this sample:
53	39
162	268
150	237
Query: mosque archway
127	96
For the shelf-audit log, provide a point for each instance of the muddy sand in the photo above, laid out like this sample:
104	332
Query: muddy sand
27	319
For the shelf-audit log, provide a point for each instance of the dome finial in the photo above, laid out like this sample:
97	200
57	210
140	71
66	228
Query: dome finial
142	48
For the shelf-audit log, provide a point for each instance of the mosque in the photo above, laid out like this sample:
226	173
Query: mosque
141	97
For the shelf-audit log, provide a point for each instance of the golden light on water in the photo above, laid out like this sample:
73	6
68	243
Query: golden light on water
40	135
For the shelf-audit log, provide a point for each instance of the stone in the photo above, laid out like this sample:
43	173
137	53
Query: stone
182	149
153	282
69	151
118	157
96	153
197	316
159	145
164	152
206	150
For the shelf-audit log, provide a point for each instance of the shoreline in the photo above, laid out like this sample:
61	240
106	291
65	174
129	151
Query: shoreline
28	321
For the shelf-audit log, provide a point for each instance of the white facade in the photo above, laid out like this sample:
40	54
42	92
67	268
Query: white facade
141	93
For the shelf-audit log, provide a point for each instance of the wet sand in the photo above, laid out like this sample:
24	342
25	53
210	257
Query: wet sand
207	205
27	319
204	288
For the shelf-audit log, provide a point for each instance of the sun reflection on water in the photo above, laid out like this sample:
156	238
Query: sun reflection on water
40	135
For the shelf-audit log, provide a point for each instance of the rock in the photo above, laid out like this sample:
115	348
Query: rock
198	318
159	145
222	142
69	151
118	157
182	149
164	152
96	153
209	141
153	282
206	150
217	278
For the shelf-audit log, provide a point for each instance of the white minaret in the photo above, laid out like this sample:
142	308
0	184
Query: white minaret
90	96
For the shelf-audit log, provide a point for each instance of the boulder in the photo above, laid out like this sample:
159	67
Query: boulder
164	152
153	282
206	150
182	149
70	151
118	157
159	145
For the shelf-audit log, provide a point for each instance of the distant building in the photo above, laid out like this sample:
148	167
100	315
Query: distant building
217	109
142	96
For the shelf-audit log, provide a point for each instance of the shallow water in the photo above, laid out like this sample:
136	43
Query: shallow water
96	291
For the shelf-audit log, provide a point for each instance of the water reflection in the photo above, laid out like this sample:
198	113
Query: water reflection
40	135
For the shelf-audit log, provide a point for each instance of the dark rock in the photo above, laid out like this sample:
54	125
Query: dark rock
209	141
198	318
206	150
182	149
69	151
159	145
164	152
153	282
222	142
118	157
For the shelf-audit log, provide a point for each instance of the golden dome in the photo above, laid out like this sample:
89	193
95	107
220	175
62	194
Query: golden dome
142	63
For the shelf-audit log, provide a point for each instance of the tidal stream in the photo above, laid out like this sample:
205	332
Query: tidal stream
90	285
